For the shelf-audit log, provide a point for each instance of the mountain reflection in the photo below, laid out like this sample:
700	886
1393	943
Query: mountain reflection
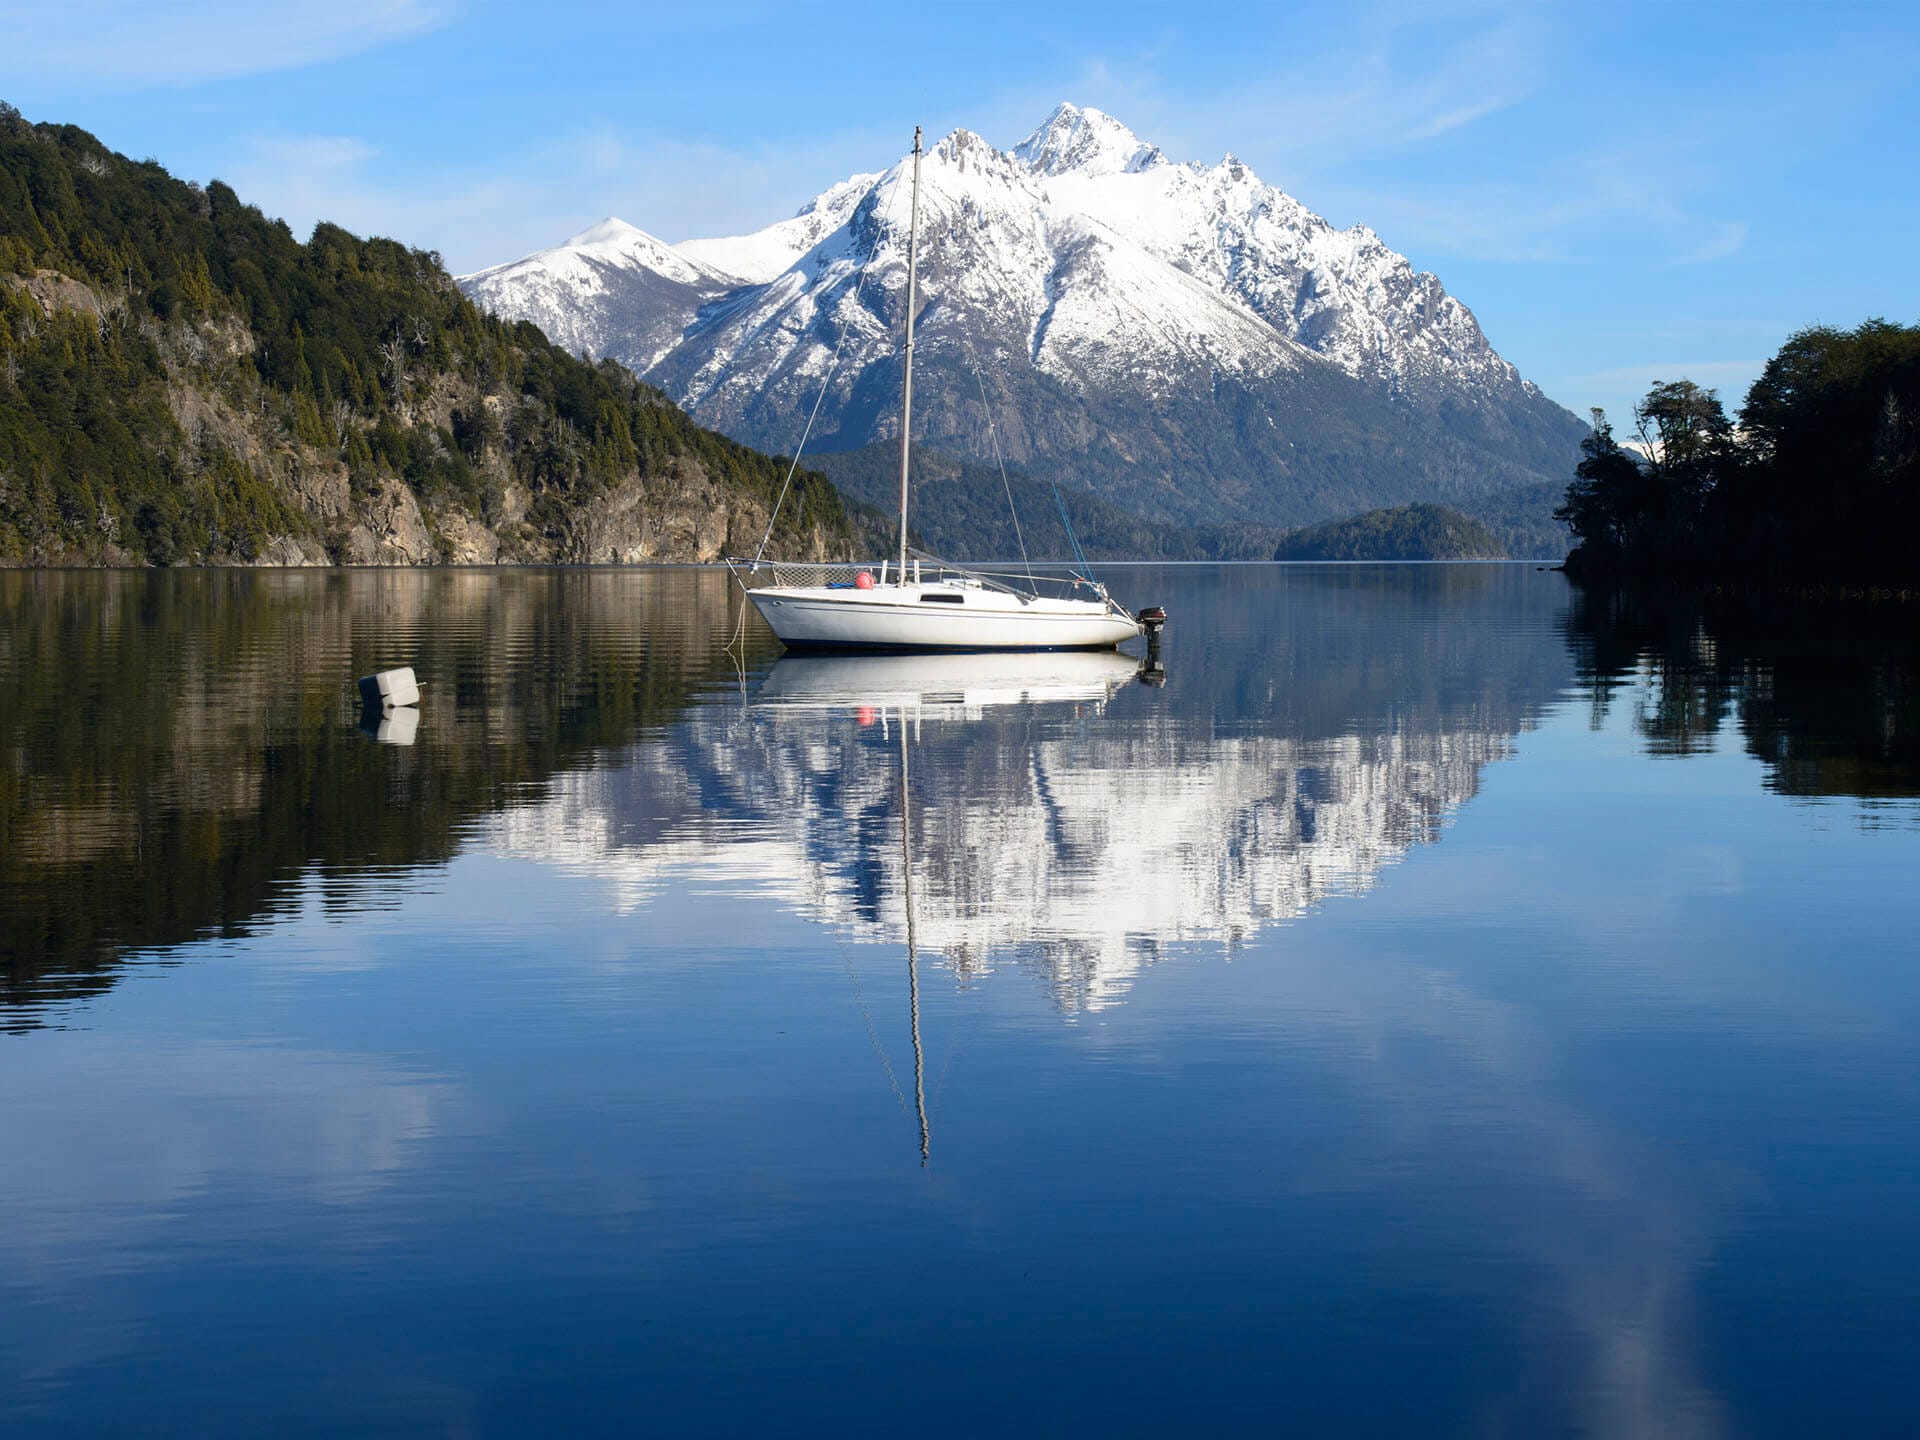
1062	820
1576	1083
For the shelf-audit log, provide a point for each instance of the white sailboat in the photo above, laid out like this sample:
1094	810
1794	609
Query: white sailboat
917	602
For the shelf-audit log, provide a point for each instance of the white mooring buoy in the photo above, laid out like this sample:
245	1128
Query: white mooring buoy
390	689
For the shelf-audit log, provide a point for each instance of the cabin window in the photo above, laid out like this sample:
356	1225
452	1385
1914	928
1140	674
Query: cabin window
943	599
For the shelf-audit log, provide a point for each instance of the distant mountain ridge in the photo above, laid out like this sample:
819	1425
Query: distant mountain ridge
611	290
1188	342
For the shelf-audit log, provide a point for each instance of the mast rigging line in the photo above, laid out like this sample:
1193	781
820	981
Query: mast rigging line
1072	539
833	366
1006	485
993	435
1083	567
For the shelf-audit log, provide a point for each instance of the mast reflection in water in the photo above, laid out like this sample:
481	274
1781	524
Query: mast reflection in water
907	689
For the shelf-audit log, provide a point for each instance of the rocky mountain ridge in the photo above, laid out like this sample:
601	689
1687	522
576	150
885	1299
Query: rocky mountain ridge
1184	339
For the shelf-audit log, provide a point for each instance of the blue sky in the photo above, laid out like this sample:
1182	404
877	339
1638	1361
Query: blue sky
1621	193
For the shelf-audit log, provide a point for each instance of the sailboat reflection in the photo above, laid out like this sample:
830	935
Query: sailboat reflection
945	683
897	691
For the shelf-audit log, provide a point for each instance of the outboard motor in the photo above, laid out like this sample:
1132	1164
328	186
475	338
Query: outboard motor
1153	620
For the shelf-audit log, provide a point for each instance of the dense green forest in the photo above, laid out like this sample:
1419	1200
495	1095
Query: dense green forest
1819	480
182	381
960	511
1522	519
1404	532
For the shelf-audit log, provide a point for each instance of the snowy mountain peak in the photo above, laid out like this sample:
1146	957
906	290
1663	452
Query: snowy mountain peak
582	259
611	289
759	257
610	231
1085	142
962	146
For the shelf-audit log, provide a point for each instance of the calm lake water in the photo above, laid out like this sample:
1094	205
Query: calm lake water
1444	1005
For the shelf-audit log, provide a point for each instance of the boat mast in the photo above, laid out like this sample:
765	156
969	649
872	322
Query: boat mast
906	394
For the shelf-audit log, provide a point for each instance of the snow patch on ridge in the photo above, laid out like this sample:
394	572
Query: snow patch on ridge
758	257
578	260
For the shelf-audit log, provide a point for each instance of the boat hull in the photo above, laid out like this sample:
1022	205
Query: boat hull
899	618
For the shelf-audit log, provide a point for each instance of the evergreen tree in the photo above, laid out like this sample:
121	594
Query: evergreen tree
1607	495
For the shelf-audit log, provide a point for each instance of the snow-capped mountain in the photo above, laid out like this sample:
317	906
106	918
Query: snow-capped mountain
1184	338
610	290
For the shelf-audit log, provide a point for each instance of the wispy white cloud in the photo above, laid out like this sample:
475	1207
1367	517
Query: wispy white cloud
1348	130
313	155
1723	238
1659	193
1404	91
677	188
180	44
304	179
1393	129
1591	207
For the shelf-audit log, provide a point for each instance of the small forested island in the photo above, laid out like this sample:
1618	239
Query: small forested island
1404	532
1819	482
184	382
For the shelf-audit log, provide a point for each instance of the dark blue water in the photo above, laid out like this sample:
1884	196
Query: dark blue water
1446	1004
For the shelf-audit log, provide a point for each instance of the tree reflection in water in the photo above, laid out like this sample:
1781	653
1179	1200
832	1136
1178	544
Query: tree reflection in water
1825	692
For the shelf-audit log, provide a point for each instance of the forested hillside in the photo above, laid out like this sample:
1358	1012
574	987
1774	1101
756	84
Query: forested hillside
182	381
960	511
1523	520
